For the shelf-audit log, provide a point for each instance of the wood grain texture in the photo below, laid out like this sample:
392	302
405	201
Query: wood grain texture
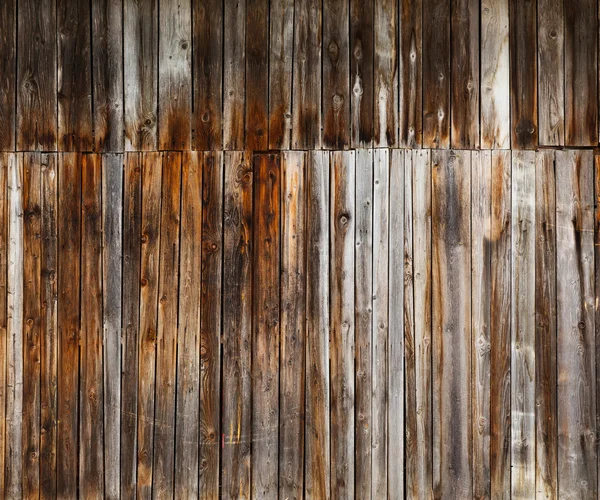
4	159
8	68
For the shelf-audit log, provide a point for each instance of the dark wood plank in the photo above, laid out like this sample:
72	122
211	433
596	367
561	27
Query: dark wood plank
336	75
317	471
361	71
597	275
74	75
36	114
306	99
4	159
107	74
174	75
210	342
436	74
581	73
523	74
8	68
236	424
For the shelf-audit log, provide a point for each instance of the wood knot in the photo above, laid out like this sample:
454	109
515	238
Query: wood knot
334	51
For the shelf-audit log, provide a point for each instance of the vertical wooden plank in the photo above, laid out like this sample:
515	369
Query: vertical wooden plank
281	46
234	74
363	319
236	424
4	220
464	100
112	253
140	61
395	374
545	325
210	342
36	114
257	74
341	253
385	77
597	279
107	74
148	322
207	74
577	451
495	75
336	75
551	72
522	363
189	332
451	324
306	99
74	75
581	73
91	395
523	74
130	322
500	331
31	323
49	342
166	336
69	252
361	71
293	326
265	327
8	68
174	74
317	470
436	74
410	97
481	246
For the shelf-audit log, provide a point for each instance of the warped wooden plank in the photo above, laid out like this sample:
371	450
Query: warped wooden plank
4	235
581	73
293	326
436	74
363	319
522	363
495	76
342	213
174	75
361	72
317	471
306	84
575	346
336	75
410	118
112	307
236	411
91	394
140	61
36	114
69	252
545	314
210	331
385	77
266	319
523	74
107	75
464	72
234	74
207	73
74	75
500	332
281	47
8	68
551	72
257	74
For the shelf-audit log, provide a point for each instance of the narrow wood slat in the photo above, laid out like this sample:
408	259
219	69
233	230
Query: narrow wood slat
293	325
342	192
317	471
575	347
523	362
236	411
8	67
4	235
36	113
597	276
266	319
174	75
